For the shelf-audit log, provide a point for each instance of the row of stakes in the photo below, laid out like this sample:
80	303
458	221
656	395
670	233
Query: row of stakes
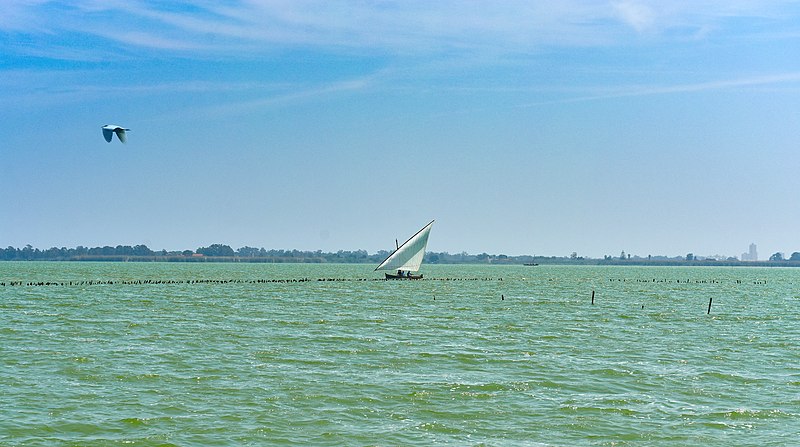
503	297
212	281
264	281
707	313
687	281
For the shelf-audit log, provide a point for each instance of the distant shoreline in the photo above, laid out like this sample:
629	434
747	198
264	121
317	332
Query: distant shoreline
224	253
314	260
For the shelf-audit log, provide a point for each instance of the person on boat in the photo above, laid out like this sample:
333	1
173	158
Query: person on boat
400	273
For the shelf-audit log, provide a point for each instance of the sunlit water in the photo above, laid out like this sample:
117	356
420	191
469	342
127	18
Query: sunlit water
472	355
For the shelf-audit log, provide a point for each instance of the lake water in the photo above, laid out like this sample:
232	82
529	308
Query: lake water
218	354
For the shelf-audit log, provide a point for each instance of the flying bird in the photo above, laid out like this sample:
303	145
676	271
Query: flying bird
110	129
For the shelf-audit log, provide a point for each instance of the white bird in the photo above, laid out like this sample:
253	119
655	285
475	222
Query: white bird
110	129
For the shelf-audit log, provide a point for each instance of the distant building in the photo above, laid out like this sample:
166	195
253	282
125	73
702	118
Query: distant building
752	255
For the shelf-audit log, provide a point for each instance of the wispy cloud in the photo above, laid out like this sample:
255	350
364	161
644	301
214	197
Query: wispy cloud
435	42
21	16
291	94
26	89
636	14
641	90
200	27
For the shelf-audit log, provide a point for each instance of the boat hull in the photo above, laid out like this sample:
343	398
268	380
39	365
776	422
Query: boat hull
391	276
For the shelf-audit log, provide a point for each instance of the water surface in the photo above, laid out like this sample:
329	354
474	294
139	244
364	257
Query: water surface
218	354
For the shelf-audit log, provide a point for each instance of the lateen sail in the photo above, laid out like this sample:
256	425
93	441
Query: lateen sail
408	257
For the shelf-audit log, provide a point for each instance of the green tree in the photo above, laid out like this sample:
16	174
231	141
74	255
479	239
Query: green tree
795	256
142	250
777	257
10	253
216	250
248	252
27	252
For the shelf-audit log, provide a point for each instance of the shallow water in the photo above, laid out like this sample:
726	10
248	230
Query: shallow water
214	354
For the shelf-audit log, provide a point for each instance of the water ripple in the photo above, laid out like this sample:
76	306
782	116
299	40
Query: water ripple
200	360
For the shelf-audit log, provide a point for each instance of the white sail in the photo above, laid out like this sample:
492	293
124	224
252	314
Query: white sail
408	257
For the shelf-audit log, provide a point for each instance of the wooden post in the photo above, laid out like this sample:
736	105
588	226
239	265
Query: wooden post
592	297
709	305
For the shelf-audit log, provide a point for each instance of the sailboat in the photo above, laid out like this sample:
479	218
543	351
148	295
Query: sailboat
408	257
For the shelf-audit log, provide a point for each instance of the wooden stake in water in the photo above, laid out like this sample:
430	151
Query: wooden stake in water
592	297
709	305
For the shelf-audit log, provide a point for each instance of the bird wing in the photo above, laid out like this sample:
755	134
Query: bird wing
108	133
121	134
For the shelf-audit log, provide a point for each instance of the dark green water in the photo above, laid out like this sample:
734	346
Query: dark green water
354	362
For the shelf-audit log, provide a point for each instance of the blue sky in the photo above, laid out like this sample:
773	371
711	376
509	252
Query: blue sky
521	127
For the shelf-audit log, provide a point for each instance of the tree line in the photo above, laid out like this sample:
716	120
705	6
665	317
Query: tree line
215	252
222	252
225	253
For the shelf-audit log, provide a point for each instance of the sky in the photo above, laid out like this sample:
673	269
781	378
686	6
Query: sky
521	127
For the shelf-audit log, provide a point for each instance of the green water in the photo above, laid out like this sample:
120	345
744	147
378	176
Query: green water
475	355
